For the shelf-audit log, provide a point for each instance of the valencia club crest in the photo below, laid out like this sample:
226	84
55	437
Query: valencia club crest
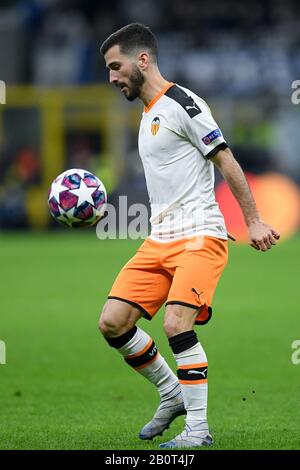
155	125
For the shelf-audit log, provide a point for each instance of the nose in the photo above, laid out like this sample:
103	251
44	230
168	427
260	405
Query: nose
113	76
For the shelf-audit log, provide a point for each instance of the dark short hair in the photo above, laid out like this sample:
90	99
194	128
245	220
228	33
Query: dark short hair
131	38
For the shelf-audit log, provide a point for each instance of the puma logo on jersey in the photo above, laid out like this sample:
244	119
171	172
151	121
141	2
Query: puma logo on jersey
186	101
155	124
192	107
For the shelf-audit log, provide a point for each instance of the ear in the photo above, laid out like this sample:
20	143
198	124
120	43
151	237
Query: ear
143	60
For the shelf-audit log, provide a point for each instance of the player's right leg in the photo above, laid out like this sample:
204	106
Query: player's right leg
139	290
117	324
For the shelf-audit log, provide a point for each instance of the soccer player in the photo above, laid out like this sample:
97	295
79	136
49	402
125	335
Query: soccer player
182	260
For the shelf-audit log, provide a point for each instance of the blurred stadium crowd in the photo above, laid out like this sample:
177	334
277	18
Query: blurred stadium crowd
230	46
241	57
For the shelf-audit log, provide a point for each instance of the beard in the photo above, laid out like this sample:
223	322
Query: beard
135	83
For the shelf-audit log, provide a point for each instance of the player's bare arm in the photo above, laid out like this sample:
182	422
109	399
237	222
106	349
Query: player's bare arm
261	235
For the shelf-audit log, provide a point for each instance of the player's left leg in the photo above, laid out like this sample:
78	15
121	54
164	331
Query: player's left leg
192	375
197	269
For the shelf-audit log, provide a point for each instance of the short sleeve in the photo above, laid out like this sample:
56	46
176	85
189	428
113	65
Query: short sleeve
202	130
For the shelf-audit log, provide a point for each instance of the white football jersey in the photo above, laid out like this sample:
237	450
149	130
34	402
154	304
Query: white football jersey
177	138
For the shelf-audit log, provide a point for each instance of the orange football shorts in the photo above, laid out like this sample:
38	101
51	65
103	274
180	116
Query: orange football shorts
183	272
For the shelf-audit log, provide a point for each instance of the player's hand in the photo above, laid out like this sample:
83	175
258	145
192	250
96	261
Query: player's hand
262	236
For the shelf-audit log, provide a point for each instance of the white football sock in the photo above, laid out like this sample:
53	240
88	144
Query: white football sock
192	375
141	353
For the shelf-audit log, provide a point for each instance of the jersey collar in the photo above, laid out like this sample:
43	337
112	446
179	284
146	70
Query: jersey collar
159	95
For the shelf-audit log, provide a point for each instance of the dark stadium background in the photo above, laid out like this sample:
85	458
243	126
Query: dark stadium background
61	386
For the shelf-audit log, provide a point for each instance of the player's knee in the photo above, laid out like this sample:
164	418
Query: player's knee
172	321
178	319
171	328
107	324
113	320
104	326
108	328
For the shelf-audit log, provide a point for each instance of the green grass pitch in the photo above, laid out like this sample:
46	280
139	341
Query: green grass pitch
64	388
